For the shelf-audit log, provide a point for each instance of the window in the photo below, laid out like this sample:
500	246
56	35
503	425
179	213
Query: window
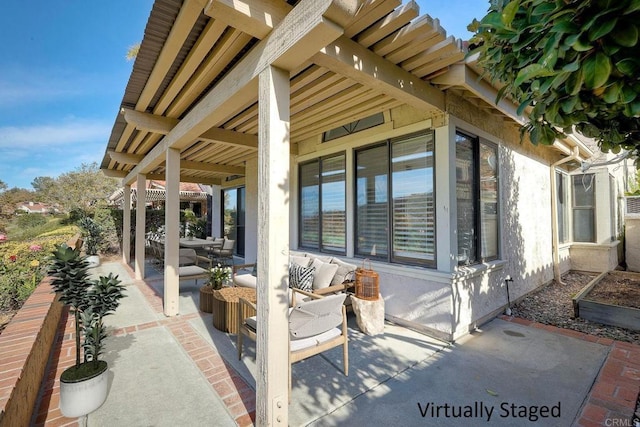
395	212
477	199
233	217
323	205
563	206
353	127
584	208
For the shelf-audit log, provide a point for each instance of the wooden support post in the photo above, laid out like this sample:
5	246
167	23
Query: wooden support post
273	248
172	233
141	242
126	224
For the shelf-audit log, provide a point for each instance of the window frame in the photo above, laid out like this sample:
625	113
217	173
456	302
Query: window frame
564	180
320	247
477	141
592	208
390	257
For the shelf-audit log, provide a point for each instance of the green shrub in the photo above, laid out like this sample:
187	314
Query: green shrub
23	266
30	220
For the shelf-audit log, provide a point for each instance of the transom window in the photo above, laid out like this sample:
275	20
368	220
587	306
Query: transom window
353	127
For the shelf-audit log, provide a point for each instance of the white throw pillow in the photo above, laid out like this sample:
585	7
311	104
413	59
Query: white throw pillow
324	273
300	260
346	272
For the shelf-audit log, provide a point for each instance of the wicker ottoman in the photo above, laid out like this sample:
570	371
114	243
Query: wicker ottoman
225	307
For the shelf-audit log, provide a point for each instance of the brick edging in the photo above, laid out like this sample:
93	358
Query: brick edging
25	345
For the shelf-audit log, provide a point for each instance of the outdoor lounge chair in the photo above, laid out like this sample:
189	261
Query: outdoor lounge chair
315	325
225	252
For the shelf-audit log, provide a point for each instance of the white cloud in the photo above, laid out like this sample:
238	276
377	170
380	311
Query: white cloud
54	135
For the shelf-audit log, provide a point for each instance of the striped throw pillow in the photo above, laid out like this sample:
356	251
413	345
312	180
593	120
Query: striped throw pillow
301	277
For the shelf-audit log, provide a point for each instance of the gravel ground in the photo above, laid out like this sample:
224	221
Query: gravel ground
552	305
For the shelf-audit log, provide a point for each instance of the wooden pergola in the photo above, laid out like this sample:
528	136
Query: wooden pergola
217	83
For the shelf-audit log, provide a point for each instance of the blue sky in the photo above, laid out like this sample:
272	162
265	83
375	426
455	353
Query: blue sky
63	73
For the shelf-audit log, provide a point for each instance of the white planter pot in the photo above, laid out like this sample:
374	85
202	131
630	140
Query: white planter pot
93	260
81	398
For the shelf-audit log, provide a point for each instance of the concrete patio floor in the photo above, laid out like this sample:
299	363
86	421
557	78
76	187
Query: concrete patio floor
183	371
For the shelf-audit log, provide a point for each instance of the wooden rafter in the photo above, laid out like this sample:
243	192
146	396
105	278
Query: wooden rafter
149	122
287	46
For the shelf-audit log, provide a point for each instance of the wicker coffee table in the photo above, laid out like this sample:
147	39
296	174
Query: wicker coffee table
225	307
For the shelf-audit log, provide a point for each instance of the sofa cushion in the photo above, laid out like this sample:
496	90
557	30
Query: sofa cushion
300	260
301	277
323	258
345	272
324	273
245	280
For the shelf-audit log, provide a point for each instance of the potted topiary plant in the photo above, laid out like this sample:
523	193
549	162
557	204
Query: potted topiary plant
218	277
92	233
83	386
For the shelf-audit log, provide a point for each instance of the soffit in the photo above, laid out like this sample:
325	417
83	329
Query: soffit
184	54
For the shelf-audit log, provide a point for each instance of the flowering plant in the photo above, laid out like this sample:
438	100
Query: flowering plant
218	275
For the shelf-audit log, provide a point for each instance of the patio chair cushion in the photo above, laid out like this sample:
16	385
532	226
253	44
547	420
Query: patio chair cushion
324	273
191	270
314	317
303	343
301	277
245	280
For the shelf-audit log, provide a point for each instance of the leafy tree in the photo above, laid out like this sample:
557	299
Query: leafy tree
3	185
9	200
82	189
132	52
576	63
43	185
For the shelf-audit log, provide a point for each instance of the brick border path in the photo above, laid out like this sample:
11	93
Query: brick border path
612	398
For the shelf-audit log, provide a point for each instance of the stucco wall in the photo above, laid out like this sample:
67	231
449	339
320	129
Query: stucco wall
526	225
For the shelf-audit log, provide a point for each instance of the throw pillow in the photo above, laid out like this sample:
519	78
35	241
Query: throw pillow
301	277
346	272
300	260
324	273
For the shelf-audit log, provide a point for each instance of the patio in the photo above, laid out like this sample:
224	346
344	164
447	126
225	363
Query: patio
182	371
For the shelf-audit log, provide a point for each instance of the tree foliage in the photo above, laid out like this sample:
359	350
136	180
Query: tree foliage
575	63
81	189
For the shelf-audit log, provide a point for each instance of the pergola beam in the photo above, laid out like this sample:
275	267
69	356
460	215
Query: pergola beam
149	122
125	158
212	167
254	17
186	178
348	58
229	137
311	25
113	173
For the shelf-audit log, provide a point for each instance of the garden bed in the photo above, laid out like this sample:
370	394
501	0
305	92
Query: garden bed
612	298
